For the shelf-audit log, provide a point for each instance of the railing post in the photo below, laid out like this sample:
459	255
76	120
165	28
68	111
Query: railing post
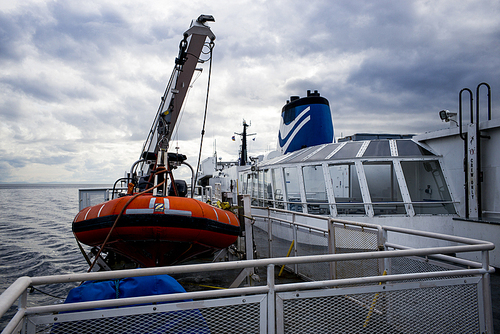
245	202
383	263
488	311
23	302
331	248
271	301
295	237
247	212
269	233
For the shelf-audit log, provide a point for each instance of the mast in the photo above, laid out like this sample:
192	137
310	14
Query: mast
243	153
243	157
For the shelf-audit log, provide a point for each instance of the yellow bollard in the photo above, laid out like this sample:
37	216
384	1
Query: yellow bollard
373	303
287	255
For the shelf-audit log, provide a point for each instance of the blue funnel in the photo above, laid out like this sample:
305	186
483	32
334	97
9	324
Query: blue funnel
305	122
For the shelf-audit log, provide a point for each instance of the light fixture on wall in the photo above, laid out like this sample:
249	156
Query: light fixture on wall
447	116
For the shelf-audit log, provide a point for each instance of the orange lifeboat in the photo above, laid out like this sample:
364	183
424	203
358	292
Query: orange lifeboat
156	230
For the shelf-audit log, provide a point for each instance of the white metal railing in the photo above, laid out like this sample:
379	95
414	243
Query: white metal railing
274	296
333	208
93	196
205	193
293	219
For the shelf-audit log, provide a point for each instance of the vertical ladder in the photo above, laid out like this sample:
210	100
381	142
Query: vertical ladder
472	154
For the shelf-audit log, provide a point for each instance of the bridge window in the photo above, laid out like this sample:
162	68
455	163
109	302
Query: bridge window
349	150
314	183
255	188
409	148
378	148
427	187
267	188
278	191
244	183
384	188
346	189
292	189
261	188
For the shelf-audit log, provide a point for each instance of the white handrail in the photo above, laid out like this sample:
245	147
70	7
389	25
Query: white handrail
12	293
9	296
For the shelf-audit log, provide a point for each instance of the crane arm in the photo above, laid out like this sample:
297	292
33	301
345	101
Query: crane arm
190	49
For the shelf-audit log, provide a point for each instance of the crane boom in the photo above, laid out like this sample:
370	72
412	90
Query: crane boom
190	49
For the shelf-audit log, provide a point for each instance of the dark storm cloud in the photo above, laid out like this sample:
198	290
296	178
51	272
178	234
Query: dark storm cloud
85	39
11	111
55	160
79	37
426	80
85	36
37	88
96	71
69	147
358	26
127	119
414	61
14	162
11	35
5	171
300	29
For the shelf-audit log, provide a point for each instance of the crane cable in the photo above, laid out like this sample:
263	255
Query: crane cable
211	46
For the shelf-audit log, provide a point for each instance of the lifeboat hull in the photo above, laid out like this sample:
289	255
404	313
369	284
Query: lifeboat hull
157	231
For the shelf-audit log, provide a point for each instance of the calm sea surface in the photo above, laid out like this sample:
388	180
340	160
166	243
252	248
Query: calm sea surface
36	237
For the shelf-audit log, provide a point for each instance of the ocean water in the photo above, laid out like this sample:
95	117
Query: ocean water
36	240
36	237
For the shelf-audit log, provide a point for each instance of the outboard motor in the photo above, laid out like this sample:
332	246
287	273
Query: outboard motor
305	122
181	188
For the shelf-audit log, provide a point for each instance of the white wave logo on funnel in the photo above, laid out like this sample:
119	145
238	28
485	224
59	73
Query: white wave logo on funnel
284	135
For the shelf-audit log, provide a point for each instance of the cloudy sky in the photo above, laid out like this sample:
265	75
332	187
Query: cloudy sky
80	81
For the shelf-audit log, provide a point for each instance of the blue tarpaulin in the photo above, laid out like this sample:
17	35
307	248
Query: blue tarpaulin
124	288
181	321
